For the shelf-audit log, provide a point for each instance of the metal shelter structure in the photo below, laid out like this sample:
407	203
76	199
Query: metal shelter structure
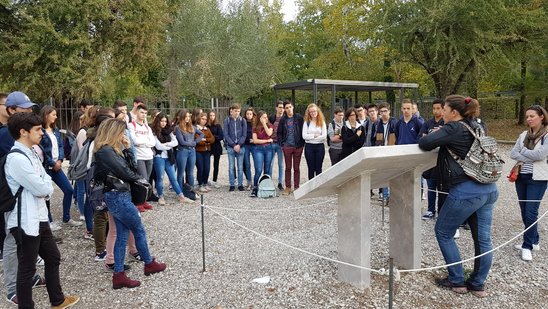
332	85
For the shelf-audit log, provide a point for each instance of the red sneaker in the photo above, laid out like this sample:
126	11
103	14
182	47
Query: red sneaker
154	267
147	206
140	208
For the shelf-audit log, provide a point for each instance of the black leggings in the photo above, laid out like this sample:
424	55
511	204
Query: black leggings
216	158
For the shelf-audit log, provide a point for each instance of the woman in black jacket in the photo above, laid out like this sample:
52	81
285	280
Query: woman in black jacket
114	167
467	199
352	133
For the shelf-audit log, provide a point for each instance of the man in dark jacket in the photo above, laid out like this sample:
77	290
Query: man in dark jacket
290	137
235	130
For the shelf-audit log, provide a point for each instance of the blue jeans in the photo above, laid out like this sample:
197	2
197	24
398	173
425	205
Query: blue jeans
277	151
262	158
63	183
246	149
529	189
239	157
80	188
203	165
432	194
186	159
162	165
127	219
479	211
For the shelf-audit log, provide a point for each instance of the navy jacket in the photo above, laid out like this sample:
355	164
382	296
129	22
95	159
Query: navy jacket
6	140
282	130
47	146
408	133
234	131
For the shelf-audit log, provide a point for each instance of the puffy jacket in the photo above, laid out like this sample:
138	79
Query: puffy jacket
282	130
114	170
47	146
455	136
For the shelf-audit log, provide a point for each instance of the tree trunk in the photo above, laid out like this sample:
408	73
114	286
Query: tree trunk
521	116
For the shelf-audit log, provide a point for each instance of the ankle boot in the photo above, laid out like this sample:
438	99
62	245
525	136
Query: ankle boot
154	267
120	280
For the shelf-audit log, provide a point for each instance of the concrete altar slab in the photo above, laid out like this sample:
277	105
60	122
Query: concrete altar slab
398	167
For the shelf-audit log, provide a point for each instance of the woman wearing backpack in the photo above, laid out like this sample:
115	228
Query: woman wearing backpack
116	169
262	150
531	149
467	199
53	159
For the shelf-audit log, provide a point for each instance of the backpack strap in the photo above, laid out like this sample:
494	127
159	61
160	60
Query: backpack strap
18	194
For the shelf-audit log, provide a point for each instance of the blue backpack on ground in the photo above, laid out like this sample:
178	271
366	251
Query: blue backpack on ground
266	187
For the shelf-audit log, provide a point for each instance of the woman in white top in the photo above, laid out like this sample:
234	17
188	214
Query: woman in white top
315	136
164	157
531	149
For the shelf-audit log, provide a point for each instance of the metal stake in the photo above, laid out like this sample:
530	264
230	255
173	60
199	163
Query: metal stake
203	234
391	284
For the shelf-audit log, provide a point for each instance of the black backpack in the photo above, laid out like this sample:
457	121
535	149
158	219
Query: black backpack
7	199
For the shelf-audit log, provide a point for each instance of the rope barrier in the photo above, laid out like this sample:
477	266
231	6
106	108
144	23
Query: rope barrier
527	201
382	271
271	210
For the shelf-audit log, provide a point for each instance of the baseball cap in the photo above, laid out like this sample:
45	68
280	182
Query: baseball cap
18	99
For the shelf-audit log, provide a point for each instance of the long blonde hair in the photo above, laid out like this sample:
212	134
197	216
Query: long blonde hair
110	132
320	119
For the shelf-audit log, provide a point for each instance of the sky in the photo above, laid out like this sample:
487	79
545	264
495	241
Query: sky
289	9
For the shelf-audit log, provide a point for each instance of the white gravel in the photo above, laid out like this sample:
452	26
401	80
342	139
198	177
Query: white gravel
235	256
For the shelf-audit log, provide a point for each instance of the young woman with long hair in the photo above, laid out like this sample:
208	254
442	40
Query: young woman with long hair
164	157
53	149
250	117
115	168
203	153
216	147
188	136
315	136
262	148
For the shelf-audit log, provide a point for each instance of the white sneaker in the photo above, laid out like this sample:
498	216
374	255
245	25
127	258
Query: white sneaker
54	226
457	234
535	247
161	201
73	223
215	185
82	218
203	189
526	255
39	261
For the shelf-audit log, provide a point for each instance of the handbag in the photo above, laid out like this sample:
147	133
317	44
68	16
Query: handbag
140	191
514	172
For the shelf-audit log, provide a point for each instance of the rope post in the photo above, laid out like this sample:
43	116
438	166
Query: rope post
383	204
203	233
391	284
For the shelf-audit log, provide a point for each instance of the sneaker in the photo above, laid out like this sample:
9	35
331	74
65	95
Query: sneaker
231	189
457	234
58	240
241	188
280	187
183	199
253	192
161	201
287	191
38	282
153	198
428	215
535	247
457	288
100	256
136	257
477	291
72	223
109	268
89	236
82	218
465	226
147	206
12	298
68	302
54	226
208	188
1	255
39	261
202	189
215	185
140	208
526	255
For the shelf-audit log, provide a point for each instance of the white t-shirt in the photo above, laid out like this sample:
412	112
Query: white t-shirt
54	146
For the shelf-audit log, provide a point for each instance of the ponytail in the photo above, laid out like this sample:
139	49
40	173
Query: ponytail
466	107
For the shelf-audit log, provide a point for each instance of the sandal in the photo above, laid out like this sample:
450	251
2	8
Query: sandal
455	287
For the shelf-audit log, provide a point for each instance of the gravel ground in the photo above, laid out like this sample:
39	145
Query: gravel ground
235	256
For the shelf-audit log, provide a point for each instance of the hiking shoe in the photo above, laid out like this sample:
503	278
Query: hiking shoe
109	268
161	201
72	223
136	257
68	302
287	191
231	189
120	280
280	187
12	299
526	255
459	288
535	247
38	282
241	188
428	215
39	261
100	256
53	226
89	235
147	206
154	267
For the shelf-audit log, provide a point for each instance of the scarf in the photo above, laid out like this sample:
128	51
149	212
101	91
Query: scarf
532	138
164	136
